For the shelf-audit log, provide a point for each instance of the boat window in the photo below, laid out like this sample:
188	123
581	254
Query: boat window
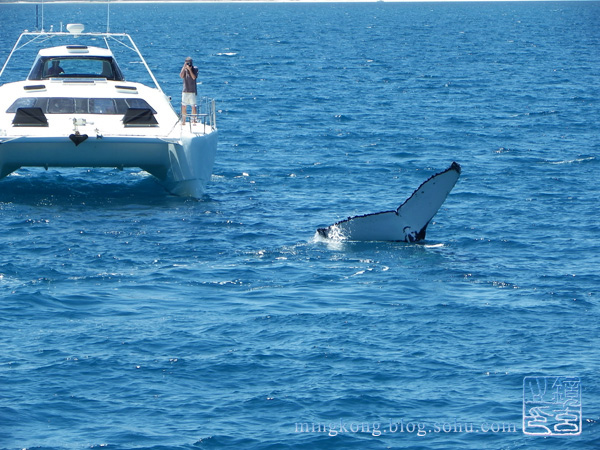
52	68
76	67
122	105
23	102
81	105
66	105
61	106
138	103
102	106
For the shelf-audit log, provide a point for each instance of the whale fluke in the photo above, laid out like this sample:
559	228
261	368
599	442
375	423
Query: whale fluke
408	223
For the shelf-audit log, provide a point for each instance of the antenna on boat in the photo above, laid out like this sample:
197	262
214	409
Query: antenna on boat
107	16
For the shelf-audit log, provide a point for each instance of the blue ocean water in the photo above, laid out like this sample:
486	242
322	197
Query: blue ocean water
132	319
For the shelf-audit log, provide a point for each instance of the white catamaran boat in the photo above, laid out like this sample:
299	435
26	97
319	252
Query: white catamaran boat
76	109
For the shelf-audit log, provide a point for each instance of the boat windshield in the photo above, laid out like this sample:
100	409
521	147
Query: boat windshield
76	67
66	105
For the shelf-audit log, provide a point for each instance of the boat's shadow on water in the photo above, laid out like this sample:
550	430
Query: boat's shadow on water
93	187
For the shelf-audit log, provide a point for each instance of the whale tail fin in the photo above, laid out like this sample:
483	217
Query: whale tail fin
408	222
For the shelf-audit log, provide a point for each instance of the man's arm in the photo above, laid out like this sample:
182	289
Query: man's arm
189	70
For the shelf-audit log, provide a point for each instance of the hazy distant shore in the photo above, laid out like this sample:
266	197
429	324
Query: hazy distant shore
209	1
241	1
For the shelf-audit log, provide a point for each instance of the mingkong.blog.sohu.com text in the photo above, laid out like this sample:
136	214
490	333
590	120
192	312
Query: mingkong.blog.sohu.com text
402	426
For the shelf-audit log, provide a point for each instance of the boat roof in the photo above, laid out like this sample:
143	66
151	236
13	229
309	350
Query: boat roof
75	50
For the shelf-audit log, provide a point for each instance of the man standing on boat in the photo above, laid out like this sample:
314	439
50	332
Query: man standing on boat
189	73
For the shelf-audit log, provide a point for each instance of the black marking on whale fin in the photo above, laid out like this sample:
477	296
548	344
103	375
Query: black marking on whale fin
420	236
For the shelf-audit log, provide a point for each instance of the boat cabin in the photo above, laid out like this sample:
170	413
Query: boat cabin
75	61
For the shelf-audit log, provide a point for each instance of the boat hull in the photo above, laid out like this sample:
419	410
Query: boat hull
184	166
190	165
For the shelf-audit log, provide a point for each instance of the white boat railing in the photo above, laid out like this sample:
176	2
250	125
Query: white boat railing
206	114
